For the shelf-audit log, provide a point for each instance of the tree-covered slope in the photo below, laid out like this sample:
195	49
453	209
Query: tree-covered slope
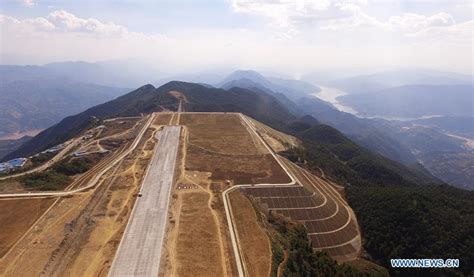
416	222
402	214
40	103
327	148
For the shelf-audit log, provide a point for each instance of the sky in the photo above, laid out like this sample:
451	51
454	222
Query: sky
291	36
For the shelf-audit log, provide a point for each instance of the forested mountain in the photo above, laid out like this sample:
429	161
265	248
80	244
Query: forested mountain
257	104
113	74
376	137
450	124
399	217
395	78
414	101
7	146
405	142
361	131
292	89
38	103
416	222
147	99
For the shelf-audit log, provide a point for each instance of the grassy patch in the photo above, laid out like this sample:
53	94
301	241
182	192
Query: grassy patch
302	259
58	176
42	158
46	180
73	167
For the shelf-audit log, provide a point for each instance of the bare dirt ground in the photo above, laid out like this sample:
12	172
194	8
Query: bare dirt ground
11	186
80	234
198	249
114	127
221	133
216	148
238	169
277	140
253	240
179	95
197	242
163	119
16	218
221	145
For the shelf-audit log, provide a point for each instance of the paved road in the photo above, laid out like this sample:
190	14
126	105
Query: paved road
241	267
46	165
140	249
98	175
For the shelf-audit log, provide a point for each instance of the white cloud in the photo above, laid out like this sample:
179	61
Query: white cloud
412	22
463	31
62	21
60	36
27	26
291	13
357	20
67	22
336	15
63	36
440	26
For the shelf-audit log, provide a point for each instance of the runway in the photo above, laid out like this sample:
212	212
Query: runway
141	245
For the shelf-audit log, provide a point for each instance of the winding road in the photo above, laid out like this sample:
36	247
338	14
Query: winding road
99	170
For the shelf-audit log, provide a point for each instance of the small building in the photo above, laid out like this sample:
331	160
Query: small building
79	153
16	163
54	149
12	164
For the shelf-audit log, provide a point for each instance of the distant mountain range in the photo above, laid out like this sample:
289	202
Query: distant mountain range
36	97
414	101
113	74
397	78
292	89
302	101
450	124
37	103
257	104
396	141
7	146
148	99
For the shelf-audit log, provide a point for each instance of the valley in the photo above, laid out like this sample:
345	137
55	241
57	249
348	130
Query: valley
19	135
331	95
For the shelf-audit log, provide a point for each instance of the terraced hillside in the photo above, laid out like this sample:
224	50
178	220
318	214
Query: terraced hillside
315	203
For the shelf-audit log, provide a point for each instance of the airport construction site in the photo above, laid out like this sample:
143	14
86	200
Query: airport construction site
184	193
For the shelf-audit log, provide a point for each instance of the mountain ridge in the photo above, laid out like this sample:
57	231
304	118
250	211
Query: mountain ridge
38	103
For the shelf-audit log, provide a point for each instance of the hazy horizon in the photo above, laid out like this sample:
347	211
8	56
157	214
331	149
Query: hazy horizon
286	37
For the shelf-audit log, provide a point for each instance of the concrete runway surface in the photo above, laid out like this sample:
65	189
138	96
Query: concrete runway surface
141	245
